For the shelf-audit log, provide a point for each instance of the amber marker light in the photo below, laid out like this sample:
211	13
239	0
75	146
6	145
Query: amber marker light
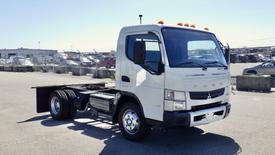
193	25
161	22
180	24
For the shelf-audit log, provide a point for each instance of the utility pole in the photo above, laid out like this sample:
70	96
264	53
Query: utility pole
140	19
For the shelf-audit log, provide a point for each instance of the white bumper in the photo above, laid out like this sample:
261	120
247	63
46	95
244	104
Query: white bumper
207	116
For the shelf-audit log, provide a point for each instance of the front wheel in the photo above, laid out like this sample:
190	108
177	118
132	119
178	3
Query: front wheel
131	122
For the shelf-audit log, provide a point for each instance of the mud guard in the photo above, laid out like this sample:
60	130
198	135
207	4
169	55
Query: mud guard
42	97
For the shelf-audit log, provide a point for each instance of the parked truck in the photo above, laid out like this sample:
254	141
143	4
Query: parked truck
165	76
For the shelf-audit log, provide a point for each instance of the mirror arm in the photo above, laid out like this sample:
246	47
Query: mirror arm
150	32
228	47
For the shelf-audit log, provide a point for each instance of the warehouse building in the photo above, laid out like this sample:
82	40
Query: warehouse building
25	52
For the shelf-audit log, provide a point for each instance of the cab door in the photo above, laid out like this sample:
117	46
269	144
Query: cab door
145	81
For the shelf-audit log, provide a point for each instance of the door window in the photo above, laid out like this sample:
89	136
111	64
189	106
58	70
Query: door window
152	50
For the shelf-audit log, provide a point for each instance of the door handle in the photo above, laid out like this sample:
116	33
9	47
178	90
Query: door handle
125	78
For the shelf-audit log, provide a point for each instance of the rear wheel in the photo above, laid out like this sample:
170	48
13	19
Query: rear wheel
71	97
59	105
131	122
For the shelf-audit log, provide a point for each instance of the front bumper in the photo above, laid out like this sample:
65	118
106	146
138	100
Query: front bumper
195	118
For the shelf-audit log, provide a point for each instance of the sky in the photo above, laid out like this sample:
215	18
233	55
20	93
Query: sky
88	25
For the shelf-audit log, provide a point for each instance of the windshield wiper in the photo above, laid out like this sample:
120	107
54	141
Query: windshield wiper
217	62
193	62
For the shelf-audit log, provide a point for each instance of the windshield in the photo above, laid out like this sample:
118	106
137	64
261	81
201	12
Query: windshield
188	48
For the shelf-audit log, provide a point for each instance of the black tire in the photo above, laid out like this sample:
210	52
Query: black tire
143	129
61	97
71	97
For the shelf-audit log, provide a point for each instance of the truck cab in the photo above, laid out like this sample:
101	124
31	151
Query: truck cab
179	75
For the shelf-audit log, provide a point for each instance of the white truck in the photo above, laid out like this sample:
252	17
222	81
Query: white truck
165	76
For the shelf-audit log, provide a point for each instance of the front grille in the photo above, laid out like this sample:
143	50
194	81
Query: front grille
206	106
207	94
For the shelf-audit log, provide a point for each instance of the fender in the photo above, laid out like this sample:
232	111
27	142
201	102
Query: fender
123	95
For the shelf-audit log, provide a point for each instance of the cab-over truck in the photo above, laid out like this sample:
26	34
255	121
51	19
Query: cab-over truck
165	75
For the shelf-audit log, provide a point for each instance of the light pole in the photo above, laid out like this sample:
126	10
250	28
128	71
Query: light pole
140	19
39	45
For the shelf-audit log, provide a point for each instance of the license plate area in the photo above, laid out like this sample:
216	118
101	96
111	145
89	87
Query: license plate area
207	116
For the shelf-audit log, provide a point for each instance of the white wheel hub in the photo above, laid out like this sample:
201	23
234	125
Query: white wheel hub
131	121
55	105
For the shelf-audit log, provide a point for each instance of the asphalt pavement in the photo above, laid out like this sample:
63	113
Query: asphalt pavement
248	130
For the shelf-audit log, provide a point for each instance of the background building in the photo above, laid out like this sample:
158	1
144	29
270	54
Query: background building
25	52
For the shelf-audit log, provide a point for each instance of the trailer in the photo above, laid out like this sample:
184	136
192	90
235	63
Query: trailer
165	76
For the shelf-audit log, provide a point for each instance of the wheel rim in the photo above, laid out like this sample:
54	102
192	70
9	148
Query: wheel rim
55	105
131	121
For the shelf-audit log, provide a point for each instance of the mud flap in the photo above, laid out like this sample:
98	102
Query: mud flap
42	97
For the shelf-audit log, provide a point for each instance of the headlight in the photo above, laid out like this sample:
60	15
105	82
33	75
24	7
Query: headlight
174	100
228	92
174	95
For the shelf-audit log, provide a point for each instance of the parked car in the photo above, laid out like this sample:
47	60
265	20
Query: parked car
253	58
267	59
42	60
262	58
84	61
266	68
273	54
243	58
233	58
69	63
20	60
2	61
106	62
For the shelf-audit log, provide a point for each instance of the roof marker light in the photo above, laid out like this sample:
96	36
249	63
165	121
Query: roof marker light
161	22
180	24
186	25
193	25
206	29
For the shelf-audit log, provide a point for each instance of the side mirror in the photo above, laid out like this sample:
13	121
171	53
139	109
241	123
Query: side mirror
160	68
227	54
139	52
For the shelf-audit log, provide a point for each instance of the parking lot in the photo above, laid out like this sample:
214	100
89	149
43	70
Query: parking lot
248	130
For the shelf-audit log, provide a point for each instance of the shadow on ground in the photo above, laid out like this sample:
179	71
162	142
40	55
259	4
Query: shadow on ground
173	141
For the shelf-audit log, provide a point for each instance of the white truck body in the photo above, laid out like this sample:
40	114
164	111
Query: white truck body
165	75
